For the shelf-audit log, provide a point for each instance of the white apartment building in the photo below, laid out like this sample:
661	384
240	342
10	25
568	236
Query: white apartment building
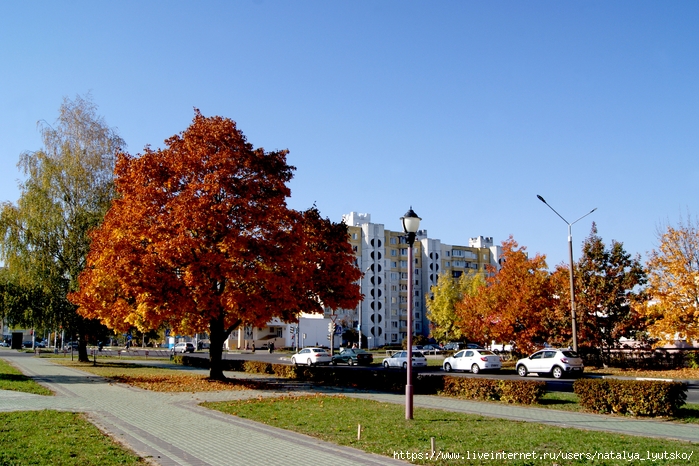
382	256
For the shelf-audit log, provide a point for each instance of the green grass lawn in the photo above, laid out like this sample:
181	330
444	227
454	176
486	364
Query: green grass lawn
13	379
386	432
57	438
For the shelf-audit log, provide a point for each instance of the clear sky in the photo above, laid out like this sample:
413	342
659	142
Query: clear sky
465	110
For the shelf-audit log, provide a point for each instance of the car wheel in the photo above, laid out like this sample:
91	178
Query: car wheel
405	365
447	367
385	364
522	370
351	362
557	372
310	363
475	369
293	361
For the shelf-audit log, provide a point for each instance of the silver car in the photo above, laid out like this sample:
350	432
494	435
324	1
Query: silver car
557	362
474	360
400	359
311	357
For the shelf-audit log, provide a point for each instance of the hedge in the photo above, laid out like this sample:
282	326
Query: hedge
507	391
633	397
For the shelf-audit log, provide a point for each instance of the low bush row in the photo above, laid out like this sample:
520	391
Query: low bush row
507	391
633	397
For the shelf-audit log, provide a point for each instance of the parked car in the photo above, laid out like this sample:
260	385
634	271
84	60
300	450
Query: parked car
353	356
400	359
474	360
454	346
5	344
27	343
40	344
187	347
71	345
431	347
557	362
311	357
474	346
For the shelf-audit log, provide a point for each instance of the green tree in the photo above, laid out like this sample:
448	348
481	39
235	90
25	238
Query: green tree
44	238
673	269
446	293
608	292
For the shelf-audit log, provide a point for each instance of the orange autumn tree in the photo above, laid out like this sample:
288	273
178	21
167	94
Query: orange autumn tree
200	239
514	303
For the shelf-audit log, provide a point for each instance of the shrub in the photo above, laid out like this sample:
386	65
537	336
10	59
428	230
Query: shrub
521	391
634	397
471	388
507	391
257	367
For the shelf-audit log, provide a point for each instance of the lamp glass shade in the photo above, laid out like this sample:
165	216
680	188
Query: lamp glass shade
411	222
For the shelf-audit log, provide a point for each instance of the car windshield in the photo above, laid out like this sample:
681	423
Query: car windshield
417	354
487	353
570	354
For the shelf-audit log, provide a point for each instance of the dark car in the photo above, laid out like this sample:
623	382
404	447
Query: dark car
353	357
27	343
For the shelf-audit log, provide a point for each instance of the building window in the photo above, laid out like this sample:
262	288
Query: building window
393	240
393	252
279	332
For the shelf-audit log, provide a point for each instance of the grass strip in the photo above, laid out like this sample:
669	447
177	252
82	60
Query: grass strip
12	379
58	438
386	432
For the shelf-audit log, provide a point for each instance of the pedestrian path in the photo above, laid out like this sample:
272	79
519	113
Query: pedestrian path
174	430
171	428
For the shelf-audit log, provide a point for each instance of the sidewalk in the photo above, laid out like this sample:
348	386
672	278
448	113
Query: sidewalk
174	430
171	428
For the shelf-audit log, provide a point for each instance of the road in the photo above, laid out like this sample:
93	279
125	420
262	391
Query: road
553	385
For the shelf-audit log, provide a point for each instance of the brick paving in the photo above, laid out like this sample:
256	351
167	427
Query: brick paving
172	429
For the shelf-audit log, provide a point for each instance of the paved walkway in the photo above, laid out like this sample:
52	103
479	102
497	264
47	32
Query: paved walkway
174	430
171	428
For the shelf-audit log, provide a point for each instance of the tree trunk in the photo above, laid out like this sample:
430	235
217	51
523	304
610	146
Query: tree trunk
82	349
217	337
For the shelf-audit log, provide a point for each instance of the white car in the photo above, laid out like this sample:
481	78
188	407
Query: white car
400	359
556	362
183	348
311	357
474	360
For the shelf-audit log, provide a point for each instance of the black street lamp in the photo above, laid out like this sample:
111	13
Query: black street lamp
572	284
411	223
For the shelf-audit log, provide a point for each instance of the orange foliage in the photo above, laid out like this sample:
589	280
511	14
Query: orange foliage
200	239
514	303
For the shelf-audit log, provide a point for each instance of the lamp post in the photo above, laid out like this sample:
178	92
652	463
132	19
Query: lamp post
570	256
411	223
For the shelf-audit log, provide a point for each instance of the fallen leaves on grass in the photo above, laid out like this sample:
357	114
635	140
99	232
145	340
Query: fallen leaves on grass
185	383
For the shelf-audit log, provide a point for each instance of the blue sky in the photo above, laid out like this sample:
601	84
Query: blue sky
465	110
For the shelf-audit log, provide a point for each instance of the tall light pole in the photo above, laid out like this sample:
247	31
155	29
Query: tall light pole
570	256
411	223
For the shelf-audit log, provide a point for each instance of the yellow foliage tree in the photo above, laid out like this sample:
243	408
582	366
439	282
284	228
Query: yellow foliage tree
673	277
445	294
